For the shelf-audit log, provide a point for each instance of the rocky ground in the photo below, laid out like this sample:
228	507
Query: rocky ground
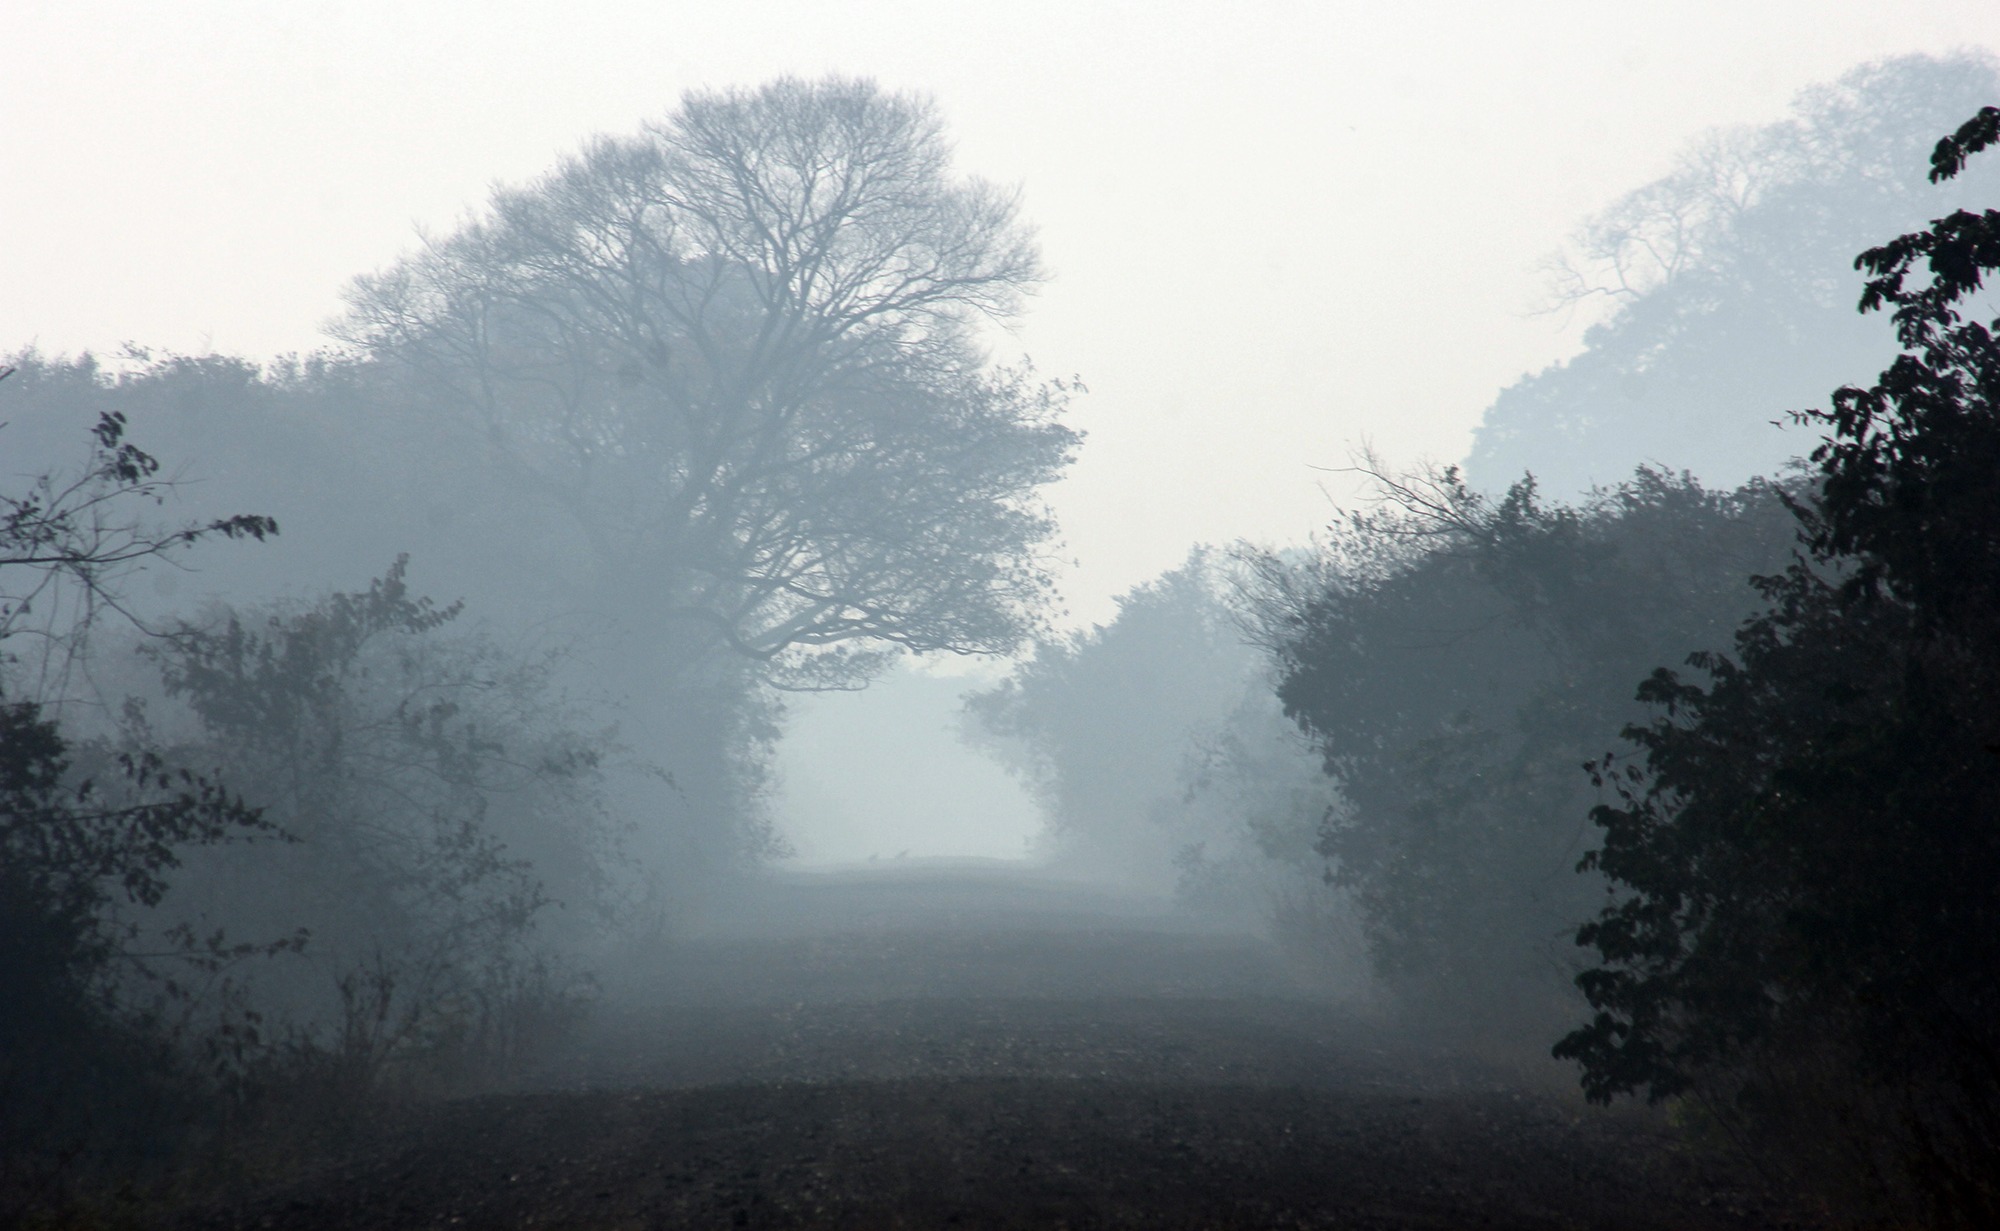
979	1048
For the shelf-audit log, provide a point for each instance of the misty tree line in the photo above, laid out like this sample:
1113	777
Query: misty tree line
699	417
703	416
1693	782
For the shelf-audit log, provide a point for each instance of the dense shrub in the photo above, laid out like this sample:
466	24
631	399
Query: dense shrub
1455	658
442	816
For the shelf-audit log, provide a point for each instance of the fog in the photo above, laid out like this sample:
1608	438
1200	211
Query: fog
1249	215
873	617
924	794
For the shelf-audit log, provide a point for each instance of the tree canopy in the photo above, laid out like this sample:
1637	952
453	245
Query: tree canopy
1724	286
741	351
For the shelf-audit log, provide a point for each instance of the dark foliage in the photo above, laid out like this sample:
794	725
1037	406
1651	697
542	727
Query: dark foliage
1982	130
1807	929
76	1064
1455	658
82	1066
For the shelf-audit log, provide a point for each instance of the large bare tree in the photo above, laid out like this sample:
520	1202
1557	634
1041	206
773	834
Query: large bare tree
740	349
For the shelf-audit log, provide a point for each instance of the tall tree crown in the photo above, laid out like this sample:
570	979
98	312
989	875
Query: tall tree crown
740	350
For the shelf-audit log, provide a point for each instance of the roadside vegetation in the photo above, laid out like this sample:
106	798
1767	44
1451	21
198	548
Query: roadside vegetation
1691	787
1681	790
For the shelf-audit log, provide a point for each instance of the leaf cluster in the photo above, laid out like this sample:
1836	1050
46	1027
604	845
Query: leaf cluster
1804	841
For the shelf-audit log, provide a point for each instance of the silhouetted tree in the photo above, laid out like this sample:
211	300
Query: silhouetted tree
739	351
1806	932
733	364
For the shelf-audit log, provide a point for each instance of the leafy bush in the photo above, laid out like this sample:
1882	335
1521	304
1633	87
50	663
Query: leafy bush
1806	848
83	1065
440	812
1455	658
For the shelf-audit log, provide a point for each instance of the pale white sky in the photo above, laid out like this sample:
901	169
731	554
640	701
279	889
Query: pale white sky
1278	229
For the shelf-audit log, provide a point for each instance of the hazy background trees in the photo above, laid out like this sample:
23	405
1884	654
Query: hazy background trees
1725	289
1098	723
1160	760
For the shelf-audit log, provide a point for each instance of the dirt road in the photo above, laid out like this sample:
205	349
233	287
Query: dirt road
974	1047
